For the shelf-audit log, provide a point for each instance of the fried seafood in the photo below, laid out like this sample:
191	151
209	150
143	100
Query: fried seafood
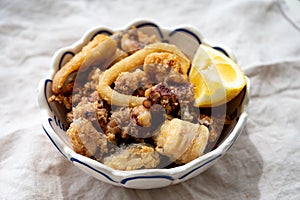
181	141
134	108
135	40
160	94
176	101
128	82
97	51
161	65
135	156
62	98
127	123
92	108
65	95
129	63
87	141
141	115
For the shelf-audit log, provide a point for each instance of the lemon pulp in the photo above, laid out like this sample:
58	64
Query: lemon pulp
217	78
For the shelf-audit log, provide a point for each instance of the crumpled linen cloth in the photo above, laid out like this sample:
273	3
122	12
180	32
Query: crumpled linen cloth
262	164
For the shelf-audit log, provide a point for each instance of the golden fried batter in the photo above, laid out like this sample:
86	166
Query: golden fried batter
162	58
135	156
129	63
96	51
135	40
86	140
182	141
197	146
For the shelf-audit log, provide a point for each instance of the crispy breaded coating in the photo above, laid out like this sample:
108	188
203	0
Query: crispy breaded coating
160	65
135	156
65	96
130	63
180	140
197	146
129	82
86	140
134	40
64	99
96	51
160	94
141	115
129	123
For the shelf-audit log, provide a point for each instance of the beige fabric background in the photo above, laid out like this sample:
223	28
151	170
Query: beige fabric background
264	162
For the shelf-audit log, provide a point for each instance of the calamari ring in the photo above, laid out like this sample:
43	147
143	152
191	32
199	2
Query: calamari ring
129	63
96	51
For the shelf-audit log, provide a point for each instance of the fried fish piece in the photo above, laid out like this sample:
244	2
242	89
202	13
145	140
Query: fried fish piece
87	141
97	51
181	141
135	156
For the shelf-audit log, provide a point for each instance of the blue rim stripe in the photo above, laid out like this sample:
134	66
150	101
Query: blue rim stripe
59	124
92	168
199	166
222	50
106	32
45	92
185	31
124	181
63	57
54	142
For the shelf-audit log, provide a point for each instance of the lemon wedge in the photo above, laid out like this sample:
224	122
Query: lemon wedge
217	78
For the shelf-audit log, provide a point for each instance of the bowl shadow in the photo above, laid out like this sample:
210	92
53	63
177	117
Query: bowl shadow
235	176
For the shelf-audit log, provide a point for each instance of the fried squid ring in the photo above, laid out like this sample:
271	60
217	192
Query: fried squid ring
97	51
129	63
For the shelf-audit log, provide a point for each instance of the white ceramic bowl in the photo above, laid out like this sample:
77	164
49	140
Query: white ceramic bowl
55	126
